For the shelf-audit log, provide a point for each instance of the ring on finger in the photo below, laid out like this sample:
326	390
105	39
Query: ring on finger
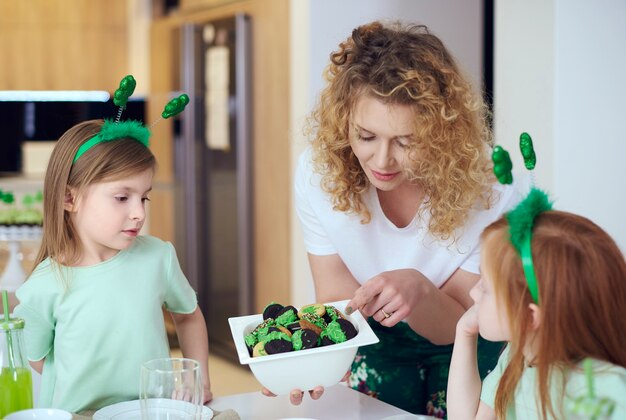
385	314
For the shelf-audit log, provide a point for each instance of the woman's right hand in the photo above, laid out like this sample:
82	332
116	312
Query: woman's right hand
390	296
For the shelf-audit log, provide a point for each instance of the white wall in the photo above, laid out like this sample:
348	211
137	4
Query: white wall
559	70
317	28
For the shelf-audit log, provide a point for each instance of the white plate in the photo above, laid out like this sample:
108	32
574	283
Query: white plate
131	410
40	413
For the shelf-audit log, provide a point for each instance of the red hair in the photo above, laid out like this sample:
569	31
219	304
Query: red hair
581	274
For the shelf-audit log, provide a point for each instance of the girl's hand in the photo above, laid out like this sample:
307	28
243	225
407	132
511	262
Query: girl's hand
390	296
468	323
208	395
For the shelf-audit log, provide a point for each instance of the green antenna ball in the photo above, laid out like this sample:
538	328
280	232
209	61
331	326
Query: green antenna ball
528	152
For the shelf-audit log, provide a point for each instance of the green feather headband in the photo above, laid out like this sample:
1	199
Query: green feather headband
522	218
115	131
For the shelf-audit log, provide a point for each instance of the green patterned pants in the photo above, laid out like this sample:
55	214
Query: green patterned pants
408	371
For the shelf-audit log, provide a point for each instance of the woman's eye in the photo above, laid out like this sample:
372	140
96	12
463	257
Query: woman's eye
366	138
403	142
144	199
121	198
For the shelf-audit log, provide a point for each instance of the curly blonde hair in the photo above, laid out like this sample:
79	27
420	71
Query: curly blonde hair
449	155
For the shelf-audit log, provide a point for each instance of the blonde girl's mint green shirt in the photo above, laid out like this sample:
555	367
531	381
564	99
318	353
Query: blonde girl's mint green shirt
609	382
95	334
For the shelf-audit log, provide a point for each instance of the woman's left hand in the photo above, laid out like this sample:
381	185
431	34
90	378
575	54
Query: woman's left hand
390	296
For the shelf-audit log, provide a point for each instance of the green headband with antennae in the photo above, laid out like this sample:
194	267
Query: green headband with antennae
112	130
117	130
522	218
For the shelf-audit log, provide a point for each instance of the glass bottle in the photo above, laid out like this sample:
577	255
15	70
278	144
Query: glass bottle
15	378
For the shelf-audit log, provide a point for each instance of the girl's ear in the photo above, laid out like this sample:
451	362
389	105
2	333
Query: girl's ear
535	314
69	203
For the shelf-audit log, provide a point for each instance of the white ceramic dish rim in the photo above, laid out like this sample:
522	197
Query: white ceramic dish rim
39	413
239	324
134	407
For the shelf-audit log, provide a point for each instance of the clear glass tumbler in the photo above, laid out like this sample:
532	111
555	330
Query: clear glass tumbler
171	389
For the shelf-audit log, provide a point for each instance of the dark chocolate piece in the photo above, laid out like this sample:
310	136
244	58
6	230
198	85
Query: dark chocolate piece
293	327
272	310
309	339
326	341
278	346
347	328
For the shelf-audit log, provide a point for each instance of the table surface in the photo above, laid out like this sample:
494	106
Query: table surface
338	402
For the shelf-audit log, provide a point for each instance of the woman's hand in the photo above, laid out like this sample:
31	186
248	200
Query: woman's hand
295	396
390	296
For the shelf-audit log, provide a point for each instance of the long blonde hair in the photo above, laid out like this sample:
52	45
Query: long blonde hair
581	274
405	65
107	161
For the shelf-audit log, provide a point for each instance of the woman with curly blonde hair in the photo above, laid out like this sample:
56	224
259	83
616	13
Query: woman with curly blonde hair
393	194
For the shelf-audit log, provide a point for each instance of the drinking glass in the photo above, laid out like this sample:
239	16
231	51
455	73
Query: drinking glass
171	389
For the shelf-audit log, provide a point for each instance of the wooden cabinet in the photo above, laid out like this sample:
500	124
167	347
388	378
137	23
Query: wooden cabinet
63	44
271	137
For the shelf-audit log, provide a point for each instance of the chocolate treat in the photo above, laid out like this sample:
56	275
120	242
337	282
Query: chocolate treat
277	342
259	349
314	319
263	329
314	308
272	310
313	326
333	332
287	315
347	328
306	325
293	327
250	340
304	339
283	330
332	314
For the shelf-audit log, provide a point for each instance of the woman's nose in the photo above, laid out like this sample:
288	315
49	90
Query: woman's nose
383	154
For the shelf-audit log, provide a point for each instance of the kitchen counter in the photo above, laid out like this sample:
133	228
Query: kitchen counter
338	402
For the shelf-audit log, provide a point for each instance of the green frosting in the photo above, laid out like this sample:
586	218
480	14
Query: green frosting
332	312
286	318
309	309
276	335
314	319
296	340
250	339
262	333
261	330
334	332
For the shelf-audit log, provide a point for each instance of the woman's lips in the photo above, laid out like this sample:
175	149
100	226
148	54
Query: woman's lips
384	176
131	232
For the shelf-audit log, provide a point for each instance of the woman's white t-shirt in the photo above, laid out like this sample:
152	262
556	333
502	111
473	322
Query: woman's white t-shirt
378	246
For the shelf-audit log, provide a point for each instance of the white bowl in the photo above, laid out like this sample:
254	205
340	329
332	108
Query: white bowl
40	413
302	369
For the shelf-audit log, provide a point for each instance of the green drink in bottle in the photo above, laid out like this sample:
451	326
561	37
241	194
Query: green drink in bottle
15	379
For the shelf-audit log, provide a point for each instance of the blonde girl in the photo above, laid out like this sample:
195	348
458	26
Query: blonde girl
93	304
579	314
